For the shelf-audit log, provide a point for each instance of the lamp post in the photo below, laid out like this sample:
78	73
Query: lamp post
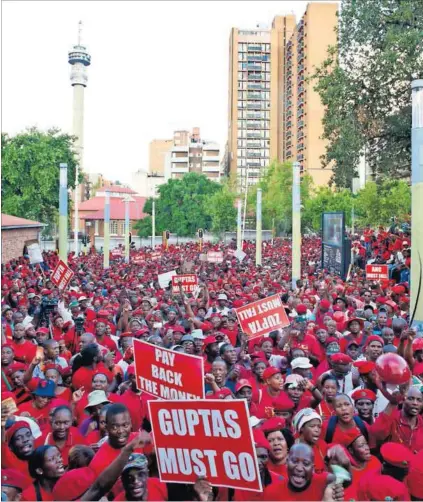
239	226
106	233
296	225
416	278
63	213
258	228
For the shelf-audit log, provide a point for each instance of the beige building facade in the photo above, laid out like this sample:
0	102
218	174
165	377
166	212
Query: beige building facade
267	89
157	155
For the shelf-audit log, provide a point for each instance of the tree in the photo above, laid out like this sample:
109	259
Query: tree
365	87
30	173
180	206
276	186
221	208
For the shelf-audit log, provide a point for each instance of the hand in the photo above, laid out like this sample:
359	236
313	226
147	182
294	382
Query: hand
5	414
234	374
36	361
92	427
209	378
203	489
77	395
338	492
142	439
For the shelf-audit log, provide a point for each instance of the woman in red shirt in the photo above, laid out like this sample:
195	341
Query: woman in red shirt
329	387
89	365
46	467
280	439
308	426
361	459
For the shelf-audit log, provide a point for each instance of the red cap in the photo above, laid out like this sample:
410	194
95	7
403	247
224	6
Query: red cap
273	424
260	440
356	319
130	370
301	309
417	344
221	394
365	367
103	313
209	340
19	424
381	487
46	331
373	338
398	290
269	372
243	383
325	304
126	334
178	328
331	339
396	454
14	478
16	367
283	402
364	394
73	484
341	358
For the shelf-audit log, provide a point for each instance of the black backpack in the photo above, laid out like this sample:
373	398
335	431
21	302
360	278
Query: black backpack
333	422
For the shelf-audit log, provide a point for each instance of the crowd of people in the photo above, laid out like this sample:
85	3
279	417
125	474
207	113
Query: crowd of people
327	420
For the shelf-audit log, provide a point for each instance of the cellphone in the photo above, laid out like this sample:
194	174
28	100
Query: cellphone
40	353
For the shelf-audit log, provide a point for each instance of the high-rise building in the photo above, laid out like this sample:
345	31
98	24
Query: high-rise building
157	155
190	153
303	128
263	90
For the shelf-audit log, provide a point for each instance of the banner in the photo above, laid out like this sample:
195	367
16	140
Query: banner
188	281
34	252
166	374
208	438
116	253
165	278
215	256
155	255
61	276
239	254
139	259
263	316
377	272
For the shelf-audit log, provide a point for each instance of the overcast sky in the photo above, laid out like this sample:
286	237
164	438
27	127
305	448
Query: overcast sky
156	67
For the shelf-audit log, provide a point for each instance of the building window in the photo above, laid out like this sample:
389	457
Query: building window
114	227
96	227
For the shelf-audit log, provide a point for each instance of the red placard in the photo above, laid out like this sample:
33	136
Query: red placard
116	252
263	316
139	259
155	255
62	275
231	252
188	281
377	272
215	256
210	438
167	374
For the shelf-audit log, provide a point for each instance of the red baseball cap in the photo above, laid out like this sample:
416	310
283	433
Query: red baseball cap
243	383
325	304
269	372
209	340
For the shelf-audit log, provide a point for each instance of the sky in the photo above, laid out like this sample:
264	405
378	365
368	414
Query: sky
156	67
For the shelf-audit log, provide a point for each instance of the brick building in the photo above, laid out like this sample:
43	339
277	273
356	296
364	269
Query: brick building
15	233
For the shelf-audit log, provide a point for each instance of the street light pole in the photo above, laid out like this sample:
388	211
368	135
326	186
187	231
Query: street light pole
63	213
106	233
296	225
239	225
76	212
153	225
258	228
127	229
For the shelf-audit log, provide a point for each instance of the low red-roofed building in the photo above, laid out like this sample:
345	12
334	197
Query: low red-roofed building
15	234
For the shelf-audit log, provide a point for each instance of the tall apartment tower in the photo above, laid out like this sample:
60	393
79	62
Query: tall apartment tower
305	50
79	59
255	90
267	89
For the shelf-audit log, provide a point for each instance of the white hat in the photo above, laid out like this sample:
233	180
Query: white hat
82	298
293	380
303	416
222	296
96	397
301	362
30	296
197	334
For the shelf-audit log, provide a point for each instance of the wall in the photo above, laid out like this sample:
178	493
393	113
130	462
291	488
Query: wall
13	242
157	153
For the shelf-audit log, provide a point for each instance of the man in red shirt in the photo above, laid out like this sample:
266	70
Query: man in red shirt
24	350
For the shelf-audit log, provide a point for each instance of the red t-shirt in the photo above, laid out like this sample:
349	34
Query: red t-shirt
74	438
341	436
30	494
266	494
83	377
357	474
41	416
24	352
315	490
309	344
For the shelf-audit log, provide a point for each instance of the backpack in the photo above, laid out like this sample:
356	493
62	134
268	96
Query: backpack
333	421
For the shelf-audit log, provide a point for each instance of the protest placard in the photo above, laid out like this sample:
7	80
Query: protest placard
377	272
215	256
166	278
61	276
139	259
188	282
155	255
239	254
116	253
210	438
166	374
34	252
263	316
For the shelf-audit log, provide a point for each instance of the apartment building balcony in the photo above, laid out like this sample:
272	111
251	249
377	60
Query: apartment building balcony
288	134
253	87
253	154
300	112
251	95
180	169
301	90
300	79
255	76
254	145
254	67
300	146
254	48
289	123
300	123
289	114
211	168
211	158
179	160
300	156
300	68
181	148
288	144
253	135
253	163
257	116
300	101
289	154
300	135
254	106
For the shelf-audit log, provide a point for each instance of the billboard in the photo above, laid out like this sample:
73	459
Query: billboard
335	249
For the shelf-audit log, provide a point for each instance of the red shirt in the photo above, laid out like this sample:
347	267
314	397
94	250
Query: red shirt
309	344
31	494
10	461
24	352
135	405
74	438
342	436
274	487
315	490
357	473
156	490
41	416
83	377
265	406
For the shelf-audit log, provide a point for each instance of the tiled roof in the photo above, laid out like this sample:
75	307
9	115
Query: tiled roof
116	189
9	221
95	211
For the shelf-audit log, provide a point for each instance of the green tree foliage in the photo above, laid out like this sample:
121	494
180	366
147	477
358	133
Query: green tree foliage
276	187
30	173
221	208
324	199
366	87
180	207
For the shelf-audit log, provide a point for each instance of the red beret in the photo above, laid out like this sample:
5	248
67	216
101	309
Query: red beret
19	424
73	484
269	372
331	339
398	290
283	402
273	424
103	313
341	358
380	299
417	344
16	367
90	315
396	454
382	487
46	331
15	479
260	440
373	338
415	476
363	394
301	309
365	367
